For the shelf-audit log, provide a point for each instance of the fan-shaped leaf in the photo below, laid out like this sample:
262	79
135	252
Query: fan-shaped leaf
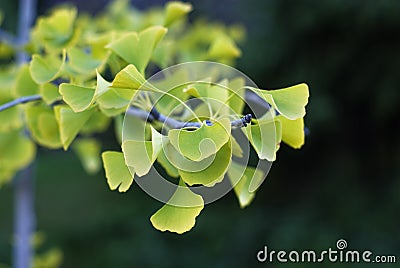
88	151
241	177
43	126
178	218
175	11
137	48
70	123
201	143
292	131
290	101
117	173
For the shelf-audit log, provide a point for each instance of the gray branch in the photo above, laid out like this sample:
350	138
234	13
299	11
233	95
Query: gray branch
21	100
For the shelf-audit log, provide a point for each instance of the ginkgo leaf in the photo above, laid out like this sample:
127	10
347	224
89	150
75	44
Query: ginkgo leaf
43	126
24	84
16	150
70	123
137	48
80	98
241	177
223	47
141	154
264	137
175	11
201	143
117	173
97	123
57	30
88	151
44	69
10	118
83	62
237	94
211	174
292	131
166	164
128	78
179	214
290	101
49	93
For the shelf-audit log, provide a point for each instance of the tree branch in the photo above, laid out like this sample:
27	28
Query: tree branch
21	100
154	115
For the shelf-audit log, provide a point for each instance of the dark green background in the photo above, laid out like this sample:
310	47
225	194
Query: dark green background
344	183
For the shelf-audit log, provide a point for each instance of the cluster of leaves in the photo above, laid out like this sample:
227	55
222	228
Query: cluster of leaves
87	70
69	55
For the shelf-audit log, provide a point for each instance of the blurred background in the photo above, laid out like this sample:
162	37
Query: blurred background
343	184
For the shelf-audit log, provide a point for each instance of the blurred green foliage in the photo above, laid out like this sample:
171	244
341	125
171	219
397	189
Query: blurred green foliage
345	182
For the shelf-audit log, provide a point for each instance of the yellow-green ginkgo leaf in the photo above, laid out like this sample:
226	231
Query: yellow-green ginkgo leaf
57	30
128	78
175	10
141	154
236	94
241	178
97	123
80	98
264	137
49	93
290	101
117	173
201	143
88	151
137	48
43	126
213	173
83	62
46	68
166	164
223	47
70	123
24	84
10	119
179	214
16	150
292	131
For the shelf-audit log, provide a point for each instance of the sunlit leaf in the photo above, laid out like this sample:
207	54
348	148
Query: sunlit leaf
292	131
117	173
223	47
175	218
88	151
57	30
137	48
290	101
80	98
201	143
175	11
